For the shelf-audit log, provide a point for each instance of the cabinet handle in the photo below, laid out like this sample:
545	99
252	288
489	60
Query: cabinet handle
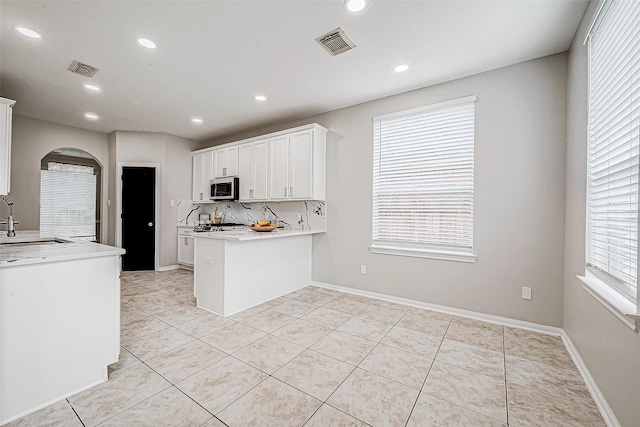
290	191
224	171
285	191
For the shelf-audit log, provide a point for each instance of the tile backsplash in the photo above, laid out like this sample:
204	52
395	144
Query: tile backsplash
299	215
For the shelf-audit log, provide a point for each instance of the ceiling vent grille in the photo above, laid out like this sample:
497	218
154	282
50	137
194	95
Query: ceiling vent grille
336	42
82	69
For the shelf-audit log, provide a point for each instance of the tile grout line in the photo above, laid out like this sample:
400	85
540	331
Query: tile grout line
506	385
75	412
428	371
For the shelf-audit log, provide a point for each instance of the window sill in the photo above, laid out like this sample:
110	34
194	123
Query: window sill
621	307
421	253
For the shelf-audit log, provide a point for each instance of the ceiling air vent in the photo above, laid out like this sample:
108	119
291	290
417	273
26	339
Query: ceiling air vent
82	69
336	42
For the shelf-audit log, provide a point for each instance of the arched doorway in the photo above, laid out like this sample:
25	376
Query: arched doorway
70	182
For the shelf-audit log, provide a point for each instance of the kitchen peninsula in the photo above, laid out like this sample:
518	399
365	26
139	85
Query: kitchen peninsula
59	319
238	269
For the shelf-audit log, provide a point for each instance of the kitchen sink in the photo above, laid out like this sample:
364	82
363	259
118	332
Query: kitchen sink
9	243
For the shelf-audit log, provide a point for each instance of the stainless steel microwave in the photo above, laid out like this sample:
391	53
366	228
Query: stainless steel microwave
225	188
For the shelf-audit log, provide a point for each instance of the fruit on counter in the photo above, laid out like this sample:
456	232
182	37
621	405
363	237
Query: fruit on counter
264	223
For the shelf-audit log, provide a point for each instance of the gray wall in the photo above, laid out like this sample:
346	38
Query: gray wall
33	139
608	347
173	155
519	197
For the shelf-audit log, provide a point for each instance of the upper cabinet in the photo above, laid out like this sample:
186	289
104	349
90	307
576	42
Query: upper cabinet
286	165
226	162
199	180
252	171
297	166
6	112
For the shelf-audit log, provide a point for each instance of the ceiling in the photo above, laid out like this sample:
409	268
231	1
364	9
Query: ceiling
212	57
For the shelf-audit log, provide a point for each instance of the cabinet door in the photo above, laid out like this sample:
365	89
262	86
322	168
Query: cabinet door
220	162
232	156
198	178
278	167
245	171
226	162
209	160
189	250
185	250
260	160
6	110
301	165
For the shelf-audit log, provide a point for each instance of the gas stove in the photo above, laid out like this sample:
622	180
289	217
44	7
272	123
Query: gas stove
202	228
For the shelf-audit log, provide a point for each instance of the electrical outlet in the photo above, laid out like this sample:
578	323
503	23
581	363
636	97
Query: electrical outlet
363	269
173	203
209	260
299	217
526	292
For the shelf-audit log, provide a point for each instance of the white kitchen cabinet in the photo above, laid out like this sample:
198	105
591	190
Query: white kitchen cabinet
209	173
226	162
252	170
301	165
185	249
199	187
203	166
297	164
281	166
245	171
260	168
6	114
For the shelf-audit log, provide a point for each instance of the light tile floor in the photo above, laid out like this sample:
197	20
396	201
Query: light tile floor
319	357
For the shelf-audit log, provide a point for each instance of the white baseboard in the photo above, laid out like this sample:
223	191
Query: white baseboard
51	402
602	404
168	267
505	321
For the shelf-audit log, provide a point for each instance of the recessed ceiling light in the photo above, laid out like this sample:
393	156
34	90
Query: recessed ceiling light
197	120
355	5
401	68
260	98
147	43
91	116
28	32
92	87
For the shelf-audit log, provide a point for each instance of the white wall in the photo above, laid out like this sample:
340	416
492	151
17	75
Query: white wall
33	139
173	154
519	197
608	347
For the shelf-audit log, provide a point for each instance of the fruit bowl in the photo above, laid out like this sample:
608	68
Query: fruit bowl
263	227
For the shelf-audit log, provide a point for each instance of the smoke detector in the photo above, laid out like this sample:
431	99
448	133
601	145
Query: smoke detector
336	42
82	69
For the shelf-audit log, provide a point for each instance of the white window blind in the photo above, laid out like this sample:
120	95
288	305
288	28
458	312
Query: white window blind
68	201
614	124
423	178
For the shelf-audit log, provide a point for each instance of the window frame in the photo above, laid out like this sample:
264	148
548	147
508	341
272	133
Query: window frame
418	250
604	287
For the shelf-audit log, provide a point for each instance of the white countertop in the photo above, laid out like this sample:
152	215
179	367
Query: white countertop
25	248
240	234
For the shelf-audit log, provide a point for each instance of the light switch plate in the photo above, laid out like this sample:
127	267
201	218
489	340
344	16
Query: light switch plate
526	292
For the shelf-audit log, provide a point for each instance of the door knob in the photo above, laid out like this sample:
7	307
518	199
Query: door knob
150	224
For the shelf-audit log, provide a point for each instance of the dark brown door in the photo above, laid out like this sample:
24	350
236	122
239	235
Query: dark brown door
138	218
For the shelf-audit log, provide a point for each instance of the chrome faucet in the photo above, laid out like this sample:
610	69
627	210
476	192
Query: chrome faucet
10	222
